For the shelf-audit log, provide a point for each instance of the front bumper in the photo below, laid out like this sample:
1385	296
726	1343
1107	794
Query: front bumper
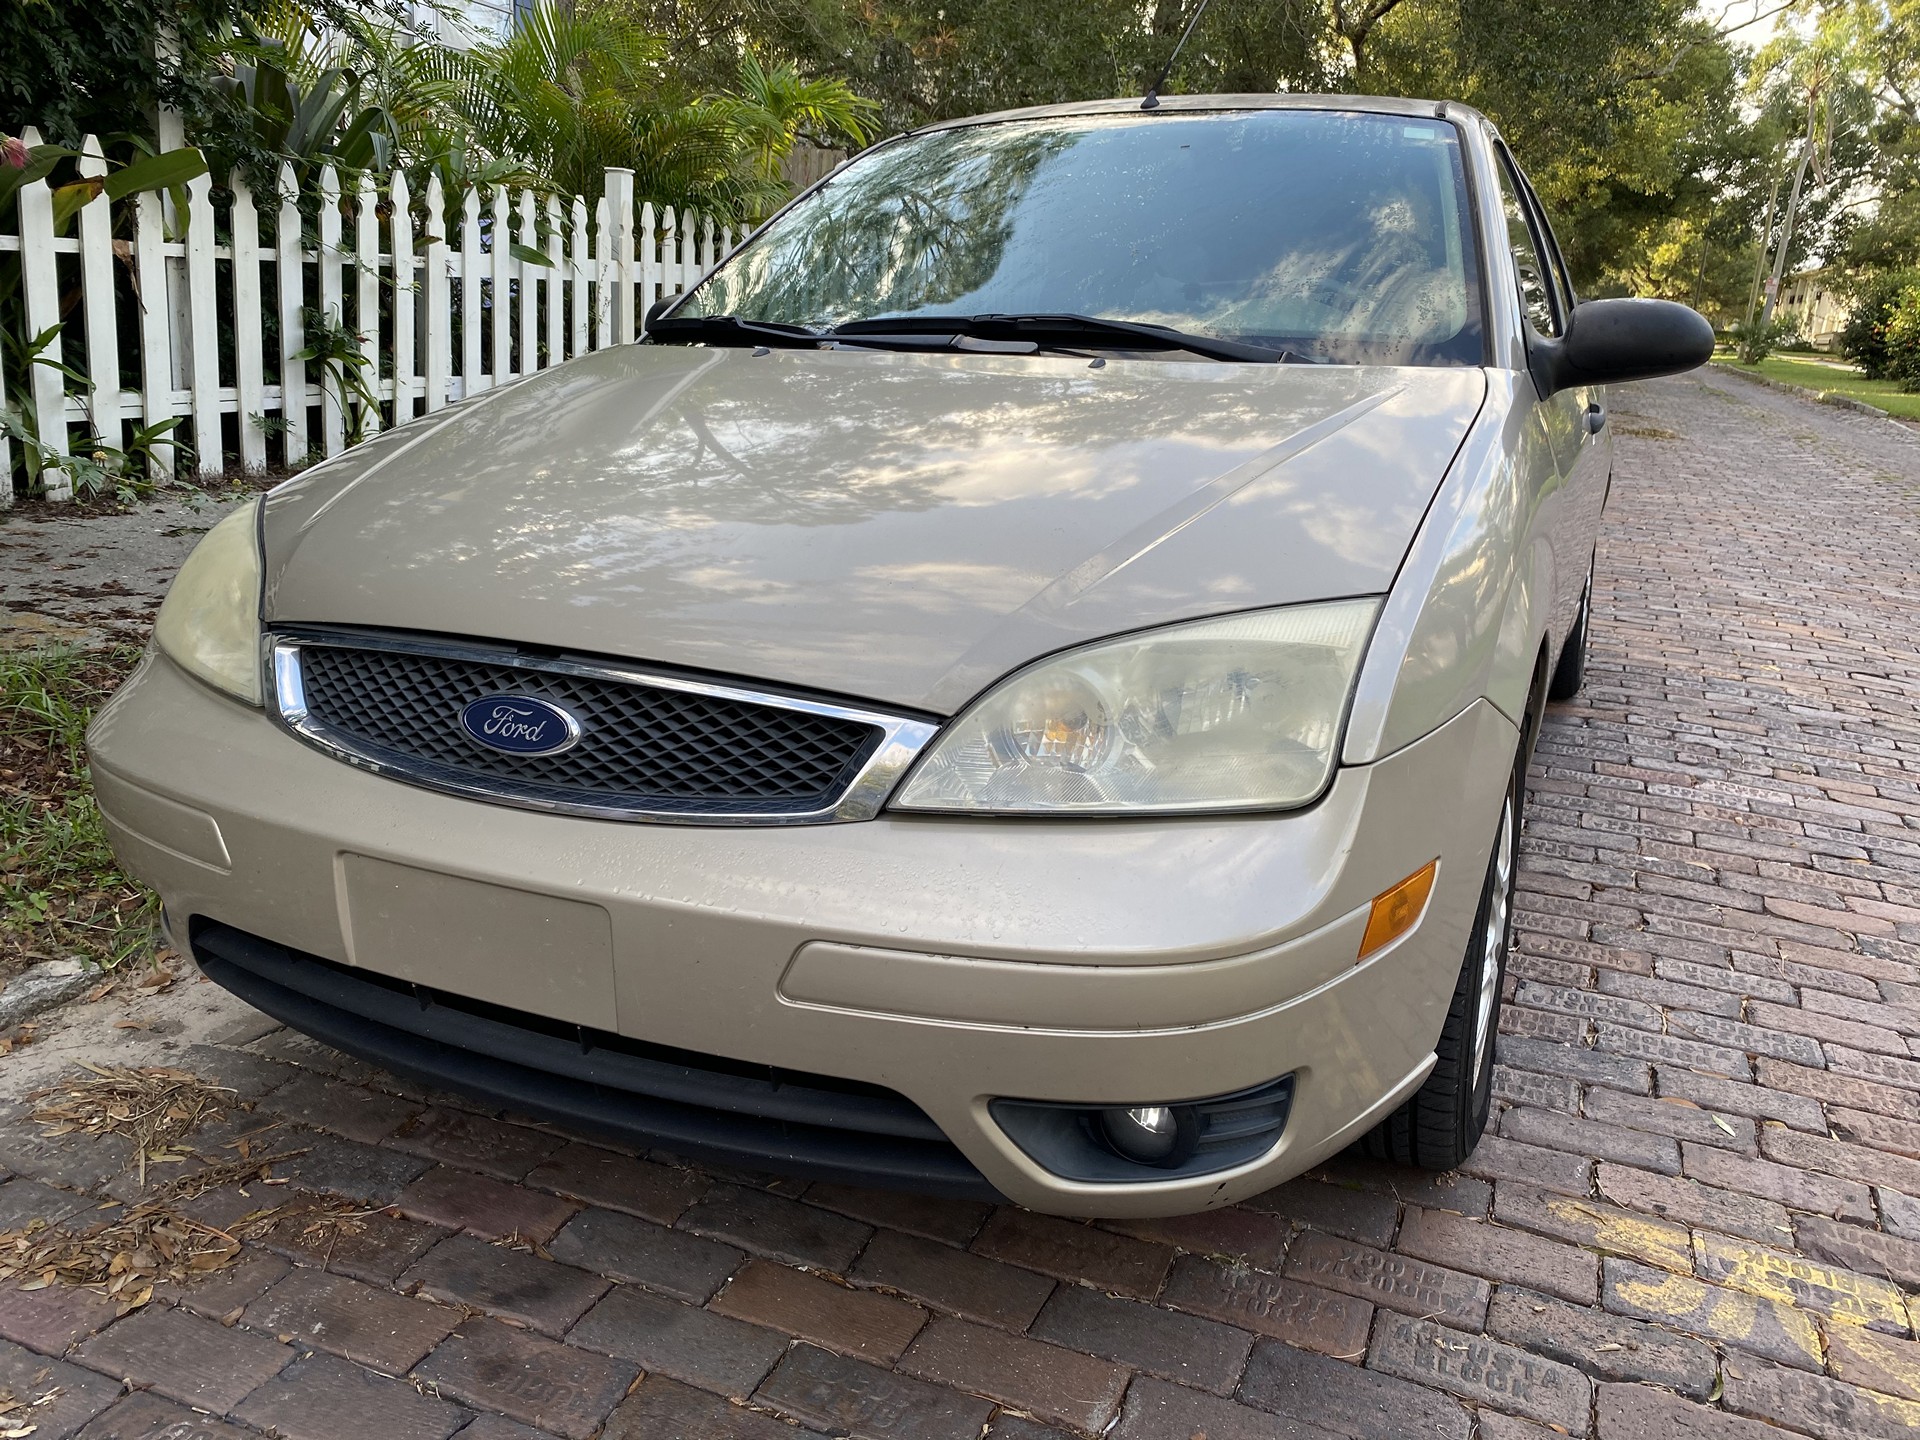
950	961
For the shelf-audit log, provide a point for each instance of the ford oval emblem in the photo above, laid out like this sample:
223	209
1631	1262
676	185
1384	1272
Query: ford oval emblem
520	725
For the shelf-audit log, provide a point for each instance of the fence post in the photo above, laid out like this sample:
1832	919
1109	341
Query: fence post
249	345
556	283
472	379
291	265
620	212
333	311
669	251
96	286
602	274
41	282
402	243
437	292
203	338
366	289
156	335
502	245
579	271
649	259
529	306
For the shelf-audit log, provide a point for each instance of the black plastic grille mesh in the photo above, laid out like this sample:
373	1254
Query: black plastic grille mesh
641	746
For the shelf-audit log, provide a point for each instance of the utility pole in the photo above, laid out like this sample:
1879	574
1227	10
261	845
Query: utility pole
1760	260
1786	228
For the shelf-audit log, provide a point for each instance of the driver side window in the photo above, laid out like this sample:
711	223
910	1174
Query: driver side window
1537	294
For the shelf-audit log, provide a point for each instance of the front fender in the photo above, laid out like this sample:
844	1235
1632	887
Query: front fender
1473	598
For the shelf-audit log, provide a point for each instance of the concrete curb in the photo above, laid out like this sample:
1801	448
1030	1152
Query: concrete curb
1819	397
43	986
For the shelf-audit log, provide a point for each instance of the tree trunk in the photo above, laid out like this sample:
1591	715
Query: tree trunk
1357	30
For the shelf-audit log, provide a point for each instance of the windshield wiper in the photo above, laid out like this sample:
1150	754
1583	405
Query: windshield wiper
1075	329
1021	331
731	330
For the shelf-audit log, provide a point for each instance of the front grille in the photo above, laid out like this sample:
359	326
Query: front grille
648	745
700	1106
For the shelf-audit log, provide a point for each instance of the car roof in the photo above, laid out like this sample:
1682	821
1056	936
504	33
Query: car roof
1203	104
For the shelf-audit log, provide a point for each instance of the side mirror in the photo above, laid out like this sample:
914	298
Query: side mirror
1610	341
657	309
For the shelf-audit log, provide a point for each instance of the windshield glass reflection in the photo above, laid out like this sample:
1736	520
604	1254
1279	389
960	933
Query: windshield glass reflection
1337	237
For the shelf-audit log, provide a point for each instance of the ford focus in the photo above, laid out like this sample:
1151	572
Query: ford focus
1020	686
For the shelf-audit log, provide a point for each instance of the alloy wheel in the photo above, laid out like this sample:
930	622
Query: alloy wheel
1493	940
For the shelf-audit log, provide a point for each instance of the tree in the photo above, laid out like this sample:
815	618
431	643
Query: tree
1882	230
1626	112
1825	74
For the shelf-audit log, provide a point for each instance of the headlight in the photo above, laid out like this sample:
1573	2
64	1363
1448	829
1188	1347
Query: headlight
1241	713
209	623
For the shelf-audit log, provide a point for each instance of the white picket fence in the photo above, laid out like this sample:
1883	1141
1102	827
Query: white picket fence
209	326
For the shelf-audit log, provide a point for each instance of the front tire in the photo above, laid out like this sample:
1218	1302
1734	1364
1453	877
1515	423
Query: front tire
1438	1126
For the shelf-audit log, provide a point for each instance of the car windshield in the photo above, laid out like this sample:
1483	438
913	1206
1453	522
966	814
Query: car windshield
1331	236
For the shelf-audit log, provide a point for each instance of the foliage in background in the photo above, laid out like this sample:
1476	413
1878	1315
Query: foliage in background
97	464
1864	338
1656	135
565	96
1901	337
79	67
1631	115
1665	146
1882	336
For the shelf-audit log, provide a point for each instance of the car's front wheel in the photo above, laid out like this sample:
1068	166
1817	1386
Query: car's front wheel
1437	1128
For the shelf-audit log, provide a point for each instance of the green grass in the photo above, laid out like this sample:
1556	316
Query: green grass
1835	379
64	894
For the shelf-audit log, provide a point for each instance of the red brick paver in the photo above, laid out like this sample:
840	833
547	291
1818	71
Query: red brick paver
1696	1215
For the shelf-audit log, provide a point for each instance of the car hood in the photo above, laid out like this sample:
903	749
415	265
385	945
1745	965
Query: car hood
898	528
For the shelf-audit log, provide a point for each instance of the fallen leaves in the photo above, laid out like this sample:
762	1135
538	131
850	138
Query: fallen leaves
152	1107
123	1258
14	1424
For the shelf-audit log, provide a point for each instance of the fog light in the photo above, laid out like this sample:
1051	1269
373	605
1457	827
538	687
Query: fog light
1151	1134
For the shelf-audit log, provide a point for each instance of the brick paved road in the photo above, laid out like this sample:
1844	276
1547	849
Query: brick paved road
1701	1209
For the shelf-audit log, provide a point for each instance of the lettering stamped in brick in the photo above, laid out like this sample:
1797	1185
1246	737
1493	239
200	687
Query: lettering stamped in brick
1503	1376
1391	1280
1794	1281
1269	1304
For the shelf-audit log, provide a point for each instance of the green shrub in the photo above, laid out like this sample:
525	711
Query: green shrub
1756	341
1863	339
1902	339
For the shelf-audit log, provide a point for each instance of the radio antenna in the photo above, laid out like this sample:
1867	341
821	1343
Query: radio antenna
1152	100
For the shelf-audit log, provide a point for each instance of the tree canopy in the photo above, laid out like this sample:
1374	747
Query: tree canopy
1657	136
1677	154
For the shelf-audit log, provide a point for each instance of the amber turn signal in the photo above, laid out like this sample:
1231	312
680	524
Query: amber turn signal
1396	910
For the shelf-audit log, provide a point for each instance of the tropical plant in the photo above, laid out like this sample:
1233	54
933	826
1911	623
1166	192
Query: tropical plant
94	464
297	109
336	350
770	108
568	94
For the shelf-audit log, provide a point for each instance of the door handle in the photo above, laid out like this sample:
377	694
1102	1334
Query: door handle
1596	417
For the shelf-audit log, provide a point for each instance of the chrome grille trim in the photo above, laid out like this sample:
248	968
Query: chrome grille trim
901	739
